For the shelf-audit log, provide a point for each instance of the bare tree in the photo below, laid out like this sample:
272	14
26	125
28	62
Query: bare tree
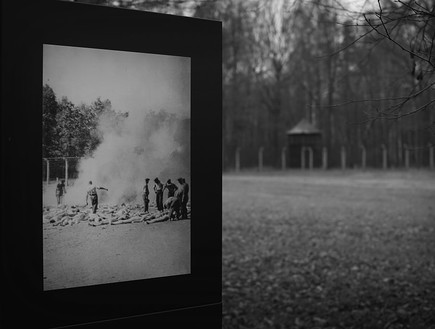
410	27
272	52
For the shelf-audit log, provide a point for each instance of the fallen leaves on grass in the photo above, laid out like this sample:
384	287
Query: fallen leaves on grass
340	266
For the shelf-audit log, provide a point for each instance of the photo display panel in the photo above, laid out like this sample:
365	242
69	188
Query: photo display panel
99	100
116	166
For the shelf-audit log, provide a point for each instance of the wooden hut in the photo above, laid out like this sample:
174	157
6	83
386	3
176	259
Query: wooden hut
304	145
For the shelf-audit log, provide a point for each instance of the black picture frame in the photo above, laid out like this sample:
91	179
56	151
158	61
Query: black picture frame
26	26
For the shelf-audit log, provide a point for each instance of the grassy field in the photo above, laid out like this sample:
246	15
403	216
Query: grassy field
329	250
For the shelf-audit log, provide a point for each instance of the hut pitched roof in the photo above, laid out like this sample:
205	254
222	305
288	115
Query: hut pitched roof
303	127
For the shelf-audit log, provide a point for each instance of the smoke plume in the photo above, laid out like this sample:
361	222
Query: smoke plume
142	145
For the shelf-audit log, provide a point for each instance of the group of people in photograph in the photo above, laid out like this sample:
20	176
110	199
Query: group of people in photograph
176	201
174	207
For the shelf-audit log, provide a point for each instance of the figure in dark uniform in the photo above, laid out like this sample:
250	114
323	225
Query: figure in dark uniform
183	196
171	188
60	192
92	194
158	189
145	195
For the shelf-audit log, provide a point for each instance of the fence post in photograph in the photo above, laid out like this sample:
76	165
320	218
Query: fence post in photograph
431	164
406	156
384	156
310	152
283	158
260	159
48	170
303	157
324	158
66	172
363	157
238	159
343	158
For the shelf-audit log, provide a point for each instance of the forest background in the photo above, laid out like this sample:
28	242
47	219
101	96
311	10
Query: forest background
360	71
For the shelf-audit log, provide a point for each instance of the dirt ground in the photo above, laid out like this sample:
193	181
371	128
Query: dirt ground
81	255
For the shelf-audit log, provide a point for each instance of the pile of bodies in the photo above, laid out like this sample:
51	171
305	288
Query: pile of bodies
106	214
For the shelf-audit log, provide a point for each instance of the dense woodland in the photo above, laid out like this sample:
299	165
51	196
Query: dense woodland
71	130
363	78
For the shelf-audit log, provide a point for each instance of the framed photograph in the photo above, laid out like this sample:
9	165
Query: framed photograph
113	175
108	151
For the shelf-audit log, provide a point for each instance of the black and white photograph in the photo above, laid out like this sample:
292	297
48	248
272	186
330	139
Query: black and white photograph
116	166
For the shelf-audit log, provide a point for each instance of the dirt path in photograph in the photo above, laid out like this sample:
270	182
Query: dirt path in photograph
81	255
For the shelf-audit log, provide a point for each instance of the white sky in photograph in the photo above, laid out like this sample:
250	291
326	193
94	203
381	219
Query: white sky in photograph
131	81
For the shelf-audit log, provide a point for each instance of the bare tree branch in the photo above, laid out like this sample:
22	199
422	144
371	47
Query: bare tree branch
376	28
381	114
402	98
382	21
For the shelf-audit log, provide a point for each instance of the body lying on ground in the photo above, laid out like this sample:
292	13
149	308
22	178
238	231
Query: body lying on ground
115	214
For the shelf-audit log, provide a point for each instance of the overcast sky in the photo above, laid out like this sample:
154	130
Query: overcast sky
131	81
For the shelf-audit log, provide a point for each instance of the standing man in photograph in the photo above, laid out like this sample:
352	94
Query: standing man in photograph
145	195
183	196
158	189
171	188
60	192
92	194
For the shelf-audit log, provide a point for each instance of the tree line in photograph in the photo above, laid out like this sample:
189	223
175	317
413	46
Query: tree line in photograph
71	130
364	78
